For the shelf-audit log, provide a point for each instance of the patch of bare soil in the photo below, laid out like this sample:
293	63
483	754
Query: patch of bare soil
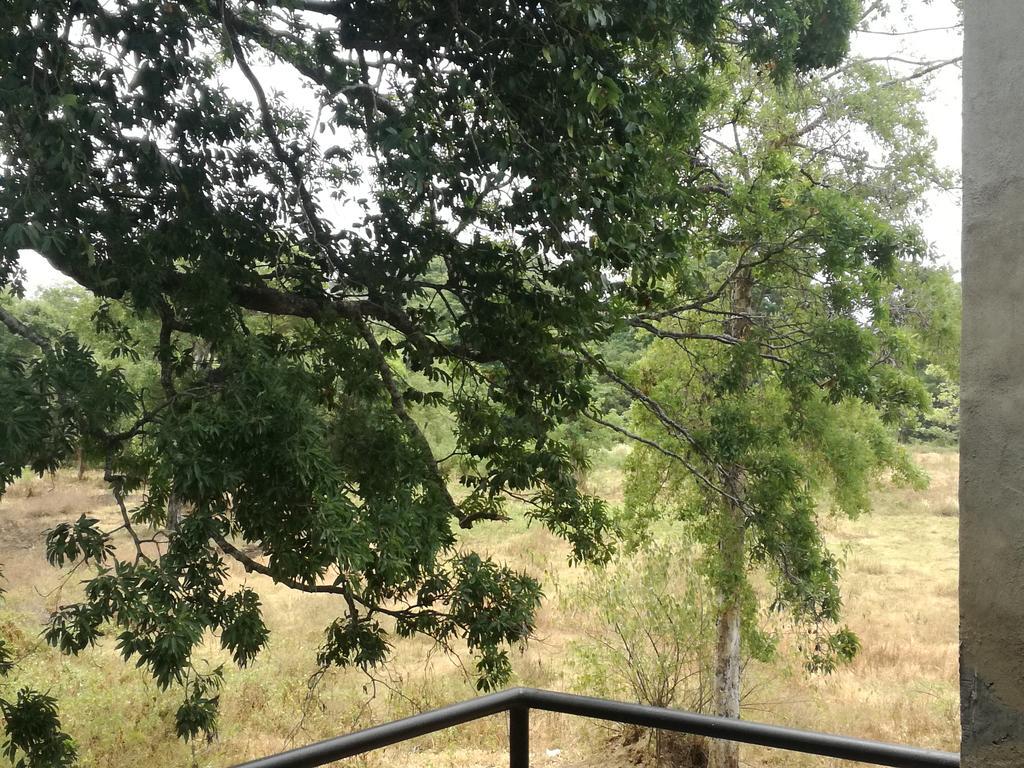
643	749
30	508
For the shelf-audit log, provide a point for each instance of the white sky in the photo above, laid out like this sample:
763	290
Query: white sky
943	112
944	109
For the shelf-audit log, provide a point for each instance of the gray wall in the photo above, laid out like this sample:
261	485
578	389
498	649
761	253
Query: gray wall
992	404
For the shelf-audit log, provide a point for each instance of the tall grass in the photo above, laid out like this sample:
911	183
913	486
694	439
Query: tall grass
899	585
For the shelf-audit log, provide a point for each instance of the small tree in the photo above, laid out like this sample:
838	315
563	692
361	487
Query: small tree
652	630
940	424
782	366
649	622
927	301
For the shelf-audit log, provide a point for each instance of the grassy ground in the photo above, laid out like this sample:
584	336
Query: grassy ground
900	586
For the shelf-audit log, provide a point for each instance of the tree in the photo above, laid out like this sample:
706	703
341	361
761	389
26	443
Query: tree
938	333
784	358
433	228
113	336
648	629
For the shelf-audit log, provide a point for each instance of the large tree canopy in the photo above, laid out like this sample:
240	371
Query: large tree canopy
427	218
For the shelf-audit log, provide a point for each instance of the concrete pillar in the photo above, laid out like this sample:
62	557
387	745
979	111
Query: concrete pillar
992	396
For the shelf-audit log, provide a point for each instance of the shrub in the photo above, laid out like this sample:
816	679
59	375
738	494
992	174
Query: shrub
650	633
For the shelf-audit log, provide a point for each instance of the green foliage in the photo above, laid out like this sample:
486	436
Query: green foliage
927	302
33	737
81	540
586	437
116	337
33	734
792	451
198	714
649	617
55	401
782	381
840	647
941	423
823	24
258	368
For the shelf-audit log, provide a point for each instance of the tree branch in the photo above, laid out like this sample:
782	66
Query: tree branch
18	328
313	223
724	338
252	565
648	402
412	428
703	479
360	91
922	30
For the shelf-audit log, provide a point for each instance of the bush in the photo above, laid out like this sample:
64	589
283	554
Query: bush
941	424
650	626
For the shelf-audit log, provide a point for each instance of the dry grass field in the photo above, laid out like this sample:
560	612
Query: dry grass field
900	585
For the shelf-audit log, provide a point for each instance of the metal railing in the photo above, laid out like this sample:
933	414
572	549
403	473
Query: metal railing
519	701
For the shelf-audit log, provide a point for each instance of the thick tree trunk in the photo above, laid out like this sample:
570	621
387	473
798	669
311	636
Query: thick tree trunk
79	455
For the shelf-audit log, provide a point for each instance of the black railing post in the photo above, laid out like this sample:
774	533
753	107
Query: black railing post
518	736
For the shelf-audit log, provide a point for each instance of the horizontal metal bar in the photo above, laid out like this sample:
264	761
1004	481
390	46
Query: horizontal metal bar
827	745
323	752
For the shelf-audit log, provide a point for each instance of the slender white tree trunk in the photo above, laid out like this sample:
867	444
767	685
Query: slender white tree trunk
725	754
175	511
